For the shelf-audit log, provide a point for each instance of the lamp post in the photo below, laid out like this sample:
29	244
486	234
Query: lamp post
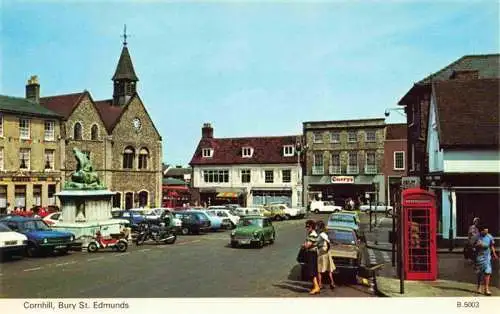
300	149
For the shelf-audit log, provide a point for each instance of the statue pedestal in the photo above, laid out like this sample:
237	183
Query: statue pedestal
83	212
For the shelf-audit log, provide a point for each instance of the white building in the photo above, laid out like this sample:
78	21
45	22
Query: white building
248	171
464	155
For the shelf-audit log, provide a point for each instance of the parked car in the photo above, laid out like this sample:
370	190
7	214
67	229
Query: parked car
351	213
274	212
345	250
345	220
51	219
11	242
324	207
379	207
246	211
193	222
290	212
253	230
133	218
216	223
159	214
225	214
41	239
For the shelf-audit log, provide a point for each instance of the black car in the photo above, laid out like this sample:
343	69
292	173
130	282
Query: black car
192	222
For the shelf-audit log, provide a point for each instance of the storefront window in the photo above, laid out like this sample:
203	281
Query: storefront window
51	191
3	197
37	195
20	196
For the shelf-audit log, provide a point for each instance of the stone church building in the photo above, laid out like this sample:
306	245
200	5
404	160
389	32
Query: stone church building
117	134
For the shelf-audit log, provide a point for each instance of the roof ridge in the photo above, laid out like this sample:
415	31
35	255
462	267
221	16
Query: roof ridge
20	98
254	137
62	95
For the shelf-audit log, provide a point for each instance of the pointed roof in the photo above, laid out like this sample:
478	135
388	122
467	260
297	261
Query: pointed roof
125	68
62	104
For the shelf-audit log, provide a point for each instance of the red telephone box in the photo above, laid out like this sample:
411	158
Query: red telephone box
419	238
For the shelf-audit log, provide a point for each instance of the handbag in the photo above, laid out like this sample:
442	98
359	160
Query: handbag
301	257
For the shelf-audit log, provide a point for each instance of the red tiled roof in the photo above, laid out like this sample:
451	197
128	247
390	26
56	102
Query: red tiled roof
227	151
468	112
396	131
62	104
109	113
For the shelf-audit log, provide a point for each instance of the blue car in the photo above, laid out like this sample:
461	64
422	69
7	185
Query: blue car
344	220
134	218
41	239
216	223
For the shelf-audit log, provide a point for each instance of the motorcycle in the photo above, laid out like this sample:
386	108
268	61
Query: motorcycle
159	234
117	242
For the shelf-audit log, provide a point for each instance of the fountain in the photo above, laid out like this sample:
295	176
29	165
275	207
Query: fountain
86	203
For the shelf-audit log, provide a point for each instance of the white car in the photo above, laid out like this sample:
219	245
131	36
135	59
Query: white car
52	219
11	242
324	207
224	213
289	211
380	207
155	214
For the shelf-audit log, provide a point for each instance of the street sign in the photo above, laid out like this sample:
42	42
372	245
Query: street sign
410	182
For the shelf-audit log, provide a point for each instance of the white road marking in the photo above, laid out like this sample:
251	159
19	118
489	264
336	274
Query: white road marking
94	259
386	257
33	269
67	263
144	250
121	254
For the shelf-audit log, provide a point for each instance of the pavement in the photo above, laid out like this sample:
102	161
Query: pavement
195	266
455	274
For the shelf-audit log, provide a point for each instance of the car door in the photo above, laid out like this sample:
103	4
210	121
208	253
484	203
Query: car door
267	229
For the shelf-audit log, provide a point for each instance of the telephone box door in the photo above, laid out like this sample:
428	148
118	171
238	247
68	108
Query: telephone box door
420	258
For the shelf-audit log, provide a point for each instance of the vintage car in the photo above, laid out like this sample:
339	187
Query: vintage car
345	250
379	207
352	213
216	223
52	219
192	222
41	239
346	220
224	214
11	242
274	212
253	230
318	207
289	212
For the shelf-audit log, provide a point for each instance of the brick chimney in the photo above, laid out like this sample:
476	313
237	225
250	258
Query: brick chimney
207	131
33	89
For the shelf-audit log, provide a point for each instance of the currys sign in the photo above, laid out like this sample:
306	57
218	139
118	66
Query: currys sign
342	179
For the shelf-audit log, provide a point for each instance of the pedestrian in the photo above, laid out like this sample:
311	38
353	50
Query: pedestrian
472	234
311	255
485	247
325	261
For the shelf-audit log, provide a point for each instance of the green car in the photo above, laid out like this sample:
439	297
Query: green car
253	230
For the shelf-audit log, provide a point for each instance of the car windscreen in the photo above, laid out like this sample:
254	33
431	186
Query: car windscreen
34	225
251	222
342	236
201	216
341	218
4	228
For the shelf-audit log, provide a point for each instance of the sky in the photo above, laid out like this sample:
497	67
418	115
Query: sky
250	68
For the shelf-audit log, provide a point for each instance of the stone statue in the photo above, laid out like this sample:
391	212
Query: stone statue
84	178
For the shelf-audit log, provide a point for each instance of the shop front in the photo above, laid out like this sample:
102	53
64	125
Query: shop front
175	196
265	196
222	196
340	188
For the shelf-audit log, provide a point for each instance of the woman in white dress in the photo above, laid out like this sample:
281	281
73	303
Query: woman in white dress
325	261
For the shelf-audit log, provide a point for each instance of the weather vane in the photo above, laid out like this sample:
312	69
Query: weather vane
124	34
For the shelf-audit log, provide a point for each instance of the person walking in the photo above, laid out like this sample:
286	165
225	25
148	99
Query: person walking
311	255
325	261
485	247
472	234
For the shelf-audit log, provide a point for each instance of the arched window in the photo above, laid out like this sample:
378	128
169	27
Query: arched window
117	200
77	131
128	157
143	198
94	133
143	158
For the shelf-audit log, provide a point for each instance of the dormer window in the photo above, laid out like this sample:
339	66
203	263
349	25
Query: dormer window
247	152
288	150
207	152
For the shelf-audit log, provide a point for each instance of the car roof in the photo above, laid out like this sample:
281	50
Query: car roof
18	218
340	228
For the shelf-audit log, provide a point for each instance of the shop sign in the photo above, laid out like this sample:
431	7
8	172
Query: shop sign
342	179
410	182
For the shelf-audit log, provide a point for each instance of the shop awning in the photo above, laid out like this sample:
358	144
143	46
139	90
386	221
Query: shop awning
228	194
363	180
175	188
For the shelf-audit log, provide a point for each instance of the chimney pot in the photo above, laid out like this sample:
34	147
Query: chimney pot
33	89
207	131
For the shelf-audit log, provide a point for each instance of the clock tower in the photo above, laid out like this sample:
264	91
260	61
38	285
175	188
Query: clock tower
124	80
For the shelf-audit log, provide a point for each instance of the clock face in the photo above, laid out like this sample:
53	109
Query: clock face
136	123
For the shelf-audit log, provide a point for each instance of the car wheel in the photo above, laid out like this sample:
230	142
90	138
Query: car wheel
316	211
63	251
121	246
185	231
92	247
32	250
287	217
261	242
273	237
234	244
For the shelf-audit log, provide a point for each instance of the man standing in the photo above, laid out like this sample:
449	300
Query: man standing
472	235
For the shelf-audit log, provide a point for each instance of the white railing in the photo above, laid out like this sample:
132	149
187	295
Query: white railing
352	169
334	170
318	170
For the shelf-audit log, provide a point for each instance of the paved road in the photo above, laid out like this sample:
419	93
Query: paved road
195	266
